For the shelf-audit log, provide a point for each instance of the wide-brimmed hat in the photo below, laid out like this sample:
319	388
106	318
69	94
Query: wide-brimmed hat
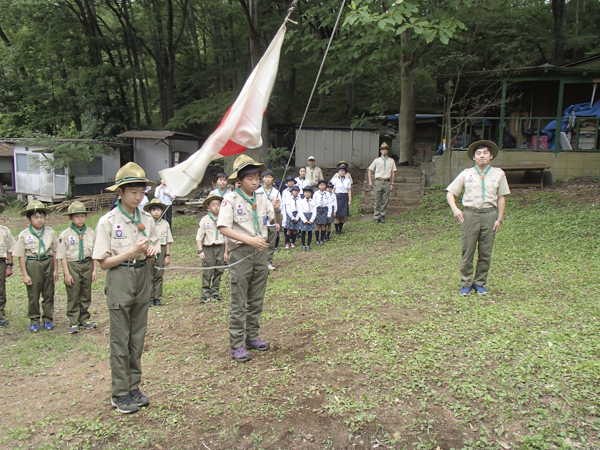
342	166
76	208
489	144
241	162
36	205
322	181
156	203
209	199
385	146
128	174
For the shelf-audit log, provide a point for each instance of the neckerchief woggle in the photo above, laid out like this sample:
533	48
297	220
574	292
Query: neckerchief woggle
138	222
80	234
254	210
482	175
40	241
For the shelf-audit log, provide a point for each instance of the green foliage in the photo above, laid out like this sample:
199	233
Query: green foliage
277	159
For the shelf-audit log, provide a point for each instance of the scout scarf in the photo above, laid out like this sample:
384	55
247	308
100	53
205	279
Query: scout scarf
215	222
254	210
41	244
80	234
221	194
384	161
138	222
312	174
268	193
482	175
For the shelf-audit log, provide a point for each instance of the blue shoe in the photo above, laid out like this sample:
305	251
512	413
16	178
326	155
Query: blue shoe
480	289
466	290
48	326
34	328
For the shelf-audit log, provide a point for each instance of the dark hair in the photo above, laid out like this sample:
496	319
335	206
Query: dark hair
247	171
155	207
31	213
132	185
221	175
268	173
481	147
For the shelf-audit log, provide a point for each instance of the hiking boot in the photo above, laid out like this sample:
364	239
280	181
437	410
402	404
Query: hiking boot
3	323
139	398
480	289
157	302
258	344
271	266
89	325
34	328
240	354
124	404
151	302
74	329
382	220
216	297
466	290
48	326
203	300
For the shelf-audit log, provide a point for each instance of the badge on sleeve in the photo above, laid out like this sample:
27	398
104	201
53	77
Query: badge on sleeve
224	203
239	209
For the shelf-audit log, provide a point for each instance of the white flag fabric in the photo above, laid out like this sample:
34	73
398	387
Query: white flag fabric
239	130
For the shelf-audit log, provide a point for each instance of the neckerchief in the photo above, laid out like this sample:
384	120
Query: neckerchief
268	193
482	175
384	160
312	174
322	196
221	194
308	201
80	234
138	222
254	210
41	244
215	222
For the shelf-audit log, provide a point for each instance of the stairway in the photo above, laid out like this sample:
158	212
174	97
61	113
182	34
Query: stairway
407	193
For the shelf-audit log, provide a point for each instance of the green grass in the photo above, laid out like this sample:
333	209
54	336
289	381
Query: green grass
370	343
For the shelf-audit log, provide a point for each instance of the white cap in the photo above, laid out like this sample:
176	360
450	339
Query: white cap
311	157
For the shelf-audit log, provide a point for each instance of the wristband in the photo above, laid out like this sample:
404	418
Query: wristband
200	251
9	264
499	220
168	254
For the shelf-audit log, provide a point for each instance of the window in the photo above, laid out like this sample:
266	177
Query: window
59	171
33	164
6	179
21	163
93	168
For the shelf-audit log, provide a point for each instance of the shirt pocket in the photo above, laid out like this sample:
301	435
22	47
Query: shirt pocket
241	218
33	246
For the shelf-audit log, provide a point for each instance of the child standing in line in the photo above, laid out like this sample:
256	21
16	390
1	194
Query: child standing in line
7	246
323	204
156	209
212	248
272	193
221	188
291	220
243	219
75	248
307	213
285	195
301	180
126	240
36	249
342	187
333	204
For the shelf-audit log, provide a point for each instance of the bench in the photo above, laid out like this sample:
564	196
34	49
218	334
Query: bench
526	168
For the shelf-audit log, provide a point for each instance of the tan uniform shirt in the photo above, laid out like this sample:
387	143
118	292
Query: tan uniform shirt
236	213
207	231
116	233
164	232
383	168
68	244
314	175
495	186
336	176
7	242
27	244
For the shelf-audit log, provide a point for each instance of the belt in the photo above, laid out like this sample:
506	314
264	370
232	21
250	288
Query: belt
82	260
135	264
481	210
383	179
32	258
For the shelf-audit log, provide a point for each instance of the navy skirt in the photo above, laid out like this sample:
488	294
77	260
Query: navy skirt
321	215
304	226
289	222
332	218
342	202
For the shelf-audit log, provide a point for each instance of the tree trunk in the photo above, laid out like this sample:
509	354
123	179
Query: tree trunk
558	13
406	119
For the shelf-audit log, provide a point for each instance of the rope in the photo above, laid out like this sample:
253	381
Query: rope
314	87
209	268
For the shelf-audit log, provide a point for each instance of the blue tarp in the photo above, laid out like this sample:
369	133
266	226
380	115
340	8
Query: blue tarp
579	110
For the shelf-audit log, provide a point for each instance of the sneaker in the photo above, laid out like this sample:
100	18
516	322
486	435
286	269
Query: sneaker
203	300
216	297
48	326
139	398
304	248
480	289
3	323
287	246
124	404
74	329
34	328
466	290
382	220
151	302
376	220
89	325
258	344
157	302
271	266
240	354
293	245
308	248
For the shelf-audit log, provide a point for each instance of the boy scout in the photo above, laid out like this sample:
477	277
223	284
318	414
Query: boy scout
7	245
243	220
211	249
313	173
384	169
75	247
485	190
36	249
156	209
126	239
272	193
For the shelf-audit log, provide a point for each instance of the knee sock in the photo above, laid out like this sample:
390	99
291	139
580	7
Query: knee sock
303	238
309	238
287	238
317	234
341	226
294	236
277	241
337	227
328	234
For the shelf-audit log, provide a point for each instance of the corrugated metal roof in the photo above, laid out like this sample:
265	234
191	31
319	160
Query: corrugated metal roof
6	149
161	134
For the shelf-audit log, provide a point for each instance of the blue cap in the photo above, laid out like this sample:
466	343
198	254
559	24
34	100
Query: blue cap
296	188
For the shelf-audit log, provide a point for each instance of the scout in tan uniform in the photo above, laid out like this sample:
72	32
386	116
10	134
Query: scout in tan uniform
7	245
313	173
36	249
75	247
384	169
156	209
212	249
126	243
485	190
243	220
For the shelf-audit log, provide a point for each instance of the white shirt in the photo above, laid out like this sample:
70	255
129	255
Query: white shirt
143	202
161	194
218	192
292	204
302	183
272	194
333	202
323	200
307	210
341	186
